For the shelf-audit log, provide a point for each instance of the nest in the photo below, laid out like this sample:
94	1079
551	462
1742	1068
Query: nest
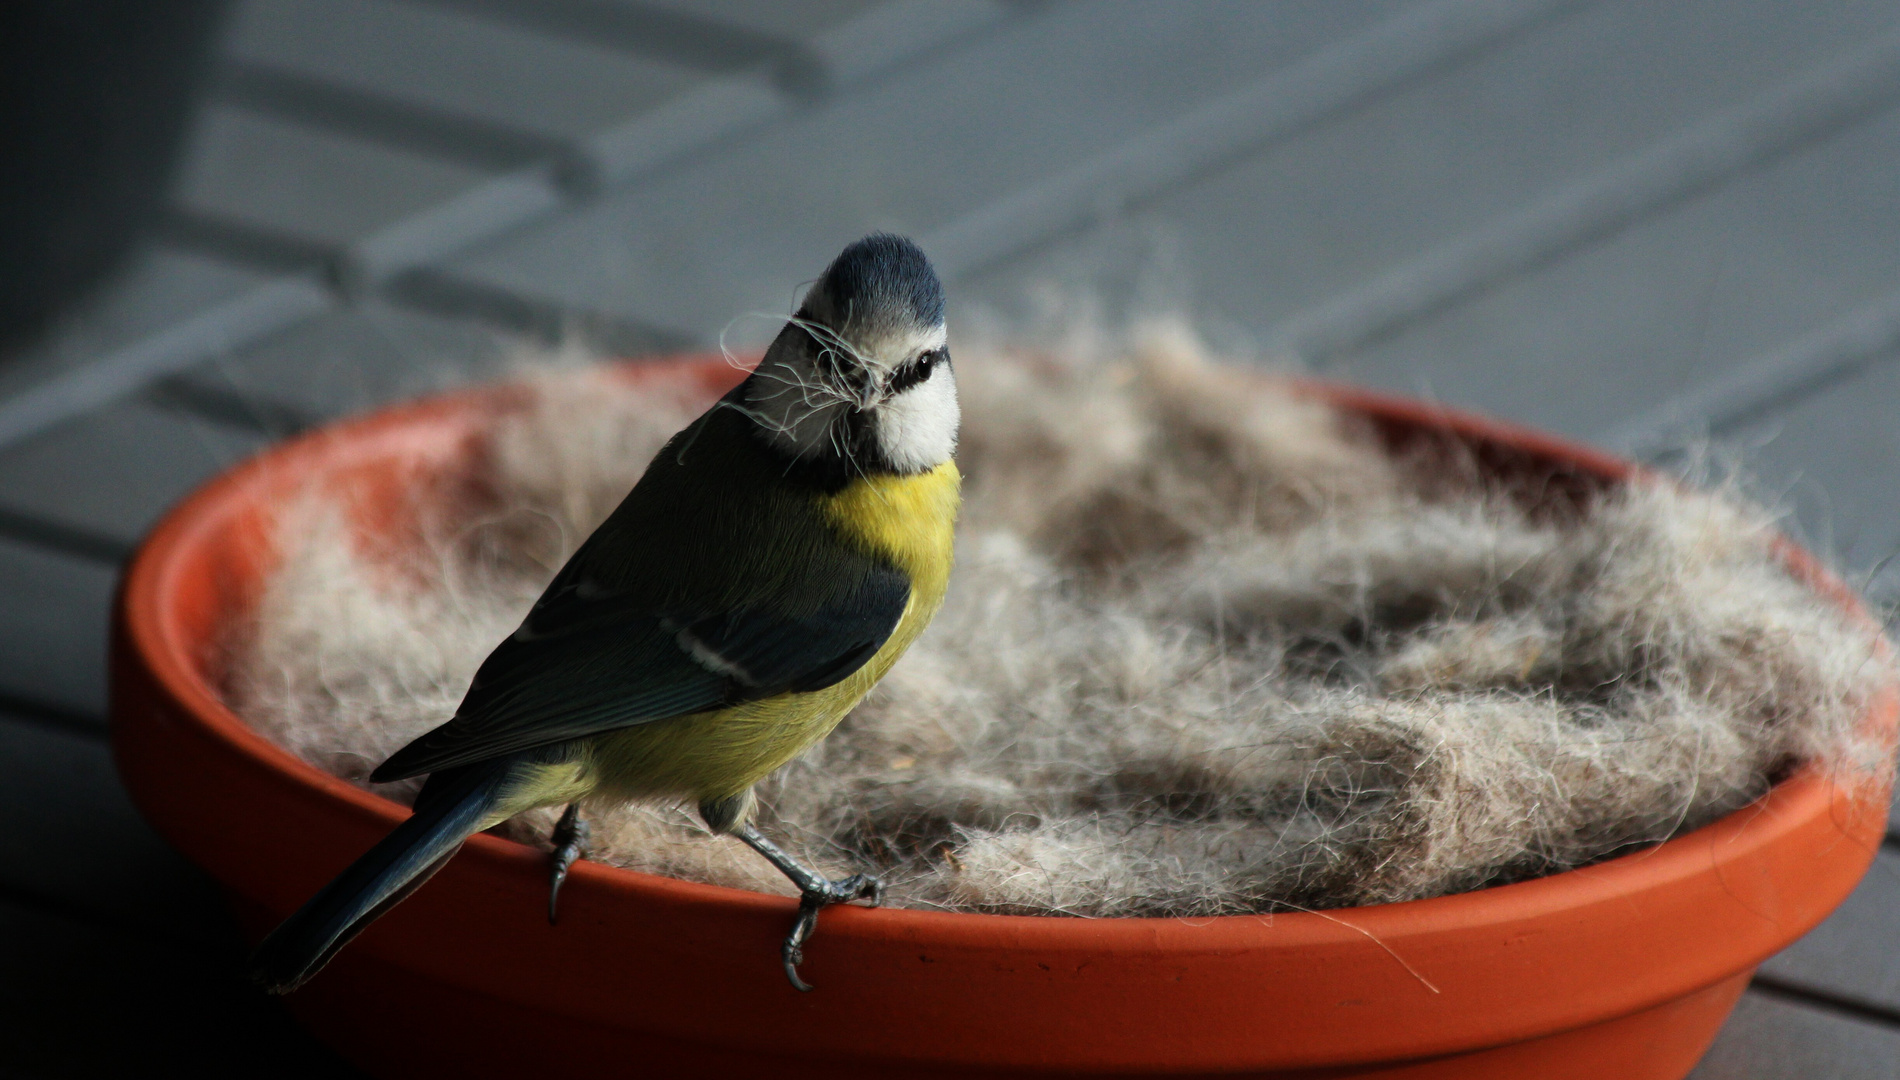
1211	647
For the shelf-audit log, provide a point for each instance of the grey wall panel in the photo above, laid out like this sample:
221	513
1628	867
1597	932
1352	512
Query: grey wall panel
736	232
789	18
306	183
1832	461
1295	225
156	289
361	357
53	611
1769	1038
71	839
1670	304
114	472
1852	955
447	60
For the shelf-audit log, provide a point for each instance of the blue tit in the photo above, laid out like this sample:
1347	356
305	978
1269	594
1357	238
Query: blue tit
774	561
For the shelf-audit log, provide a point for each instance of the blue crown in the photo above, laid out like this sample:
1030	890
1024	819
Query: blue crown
882	278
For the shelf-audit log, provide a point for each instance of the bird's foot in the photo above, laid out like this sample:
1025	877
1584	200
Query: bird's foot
844	890
570	838
815	891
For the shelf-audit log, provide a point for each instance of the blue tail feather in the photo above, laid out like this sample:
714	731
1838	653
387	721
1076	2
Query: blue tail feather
451	807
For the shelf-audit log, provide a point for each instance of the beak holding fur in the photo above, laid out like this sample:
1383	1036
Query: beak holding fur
862	371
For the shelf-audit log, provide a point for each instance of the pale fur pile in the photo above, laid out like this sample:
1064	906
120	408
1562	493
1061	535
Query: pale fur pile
1209	648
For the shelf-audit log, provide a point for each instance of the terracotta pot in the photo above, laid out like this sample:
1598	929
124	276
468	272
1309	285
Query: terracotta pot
1624	969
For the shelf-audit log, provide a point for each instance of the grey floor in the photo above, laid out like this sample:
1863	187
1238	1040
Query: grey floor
1639	222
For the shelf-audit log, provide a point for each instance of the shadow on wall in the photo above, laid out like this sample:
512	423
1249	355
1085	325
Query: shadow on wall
94	96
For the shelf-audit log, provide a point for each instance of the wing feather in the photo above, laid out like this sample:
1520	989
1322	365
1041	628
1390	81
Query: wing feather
588	661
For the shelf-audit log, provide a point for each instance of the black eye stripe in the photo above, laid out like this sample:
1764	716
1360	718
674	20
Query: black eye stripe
917	370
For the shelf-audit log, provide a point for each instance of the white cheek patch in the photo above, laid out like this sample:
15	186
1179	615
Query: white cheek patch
917	429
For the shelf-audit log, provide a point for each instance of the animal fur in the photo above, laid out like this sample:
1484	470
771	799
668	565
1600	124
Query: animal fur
1208	649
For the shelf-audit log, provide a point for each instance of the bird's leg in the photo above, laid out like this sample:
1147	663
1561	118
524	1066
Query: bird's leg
815	891
571	834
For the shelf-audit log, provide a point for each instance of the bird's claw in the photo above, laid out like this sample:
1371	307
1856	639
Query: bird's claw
810	902
859	887
570	838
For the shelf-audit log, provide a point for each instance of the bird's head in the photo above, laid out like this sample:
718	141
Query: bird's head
860	376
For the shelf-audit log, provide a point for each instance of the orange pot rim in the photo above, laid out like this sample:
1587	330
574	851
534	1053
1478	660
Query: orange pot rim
1404	930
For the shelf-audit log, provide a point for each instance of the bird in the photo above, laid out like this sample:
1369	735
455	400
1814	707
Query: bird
778	555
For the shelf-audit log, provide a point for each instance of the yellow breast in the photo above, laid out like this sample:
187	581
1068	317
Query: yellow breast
910	520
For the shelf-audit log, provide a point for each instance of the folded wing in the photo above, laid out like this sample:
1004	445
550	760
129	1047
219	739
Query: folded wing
588	661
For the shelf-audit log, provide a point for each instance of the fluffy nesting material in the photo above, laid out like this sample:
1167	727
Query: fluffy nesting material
1208	649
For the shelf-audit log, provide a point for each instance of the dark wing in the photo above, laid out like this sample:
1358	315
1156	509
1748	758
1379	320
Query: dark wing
585	663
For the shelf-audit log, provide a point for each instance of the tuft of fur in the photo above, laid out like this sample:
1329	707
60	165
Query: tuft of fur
1208	649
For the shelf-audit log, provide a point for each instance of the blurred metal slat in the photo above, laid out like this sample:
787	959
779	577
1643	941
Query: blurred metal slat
675	36
1801	111
481	213
721	111
246	243
448	295
1775	1037
54	668
383	118
857	51
256	314
1774	381
1275	108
